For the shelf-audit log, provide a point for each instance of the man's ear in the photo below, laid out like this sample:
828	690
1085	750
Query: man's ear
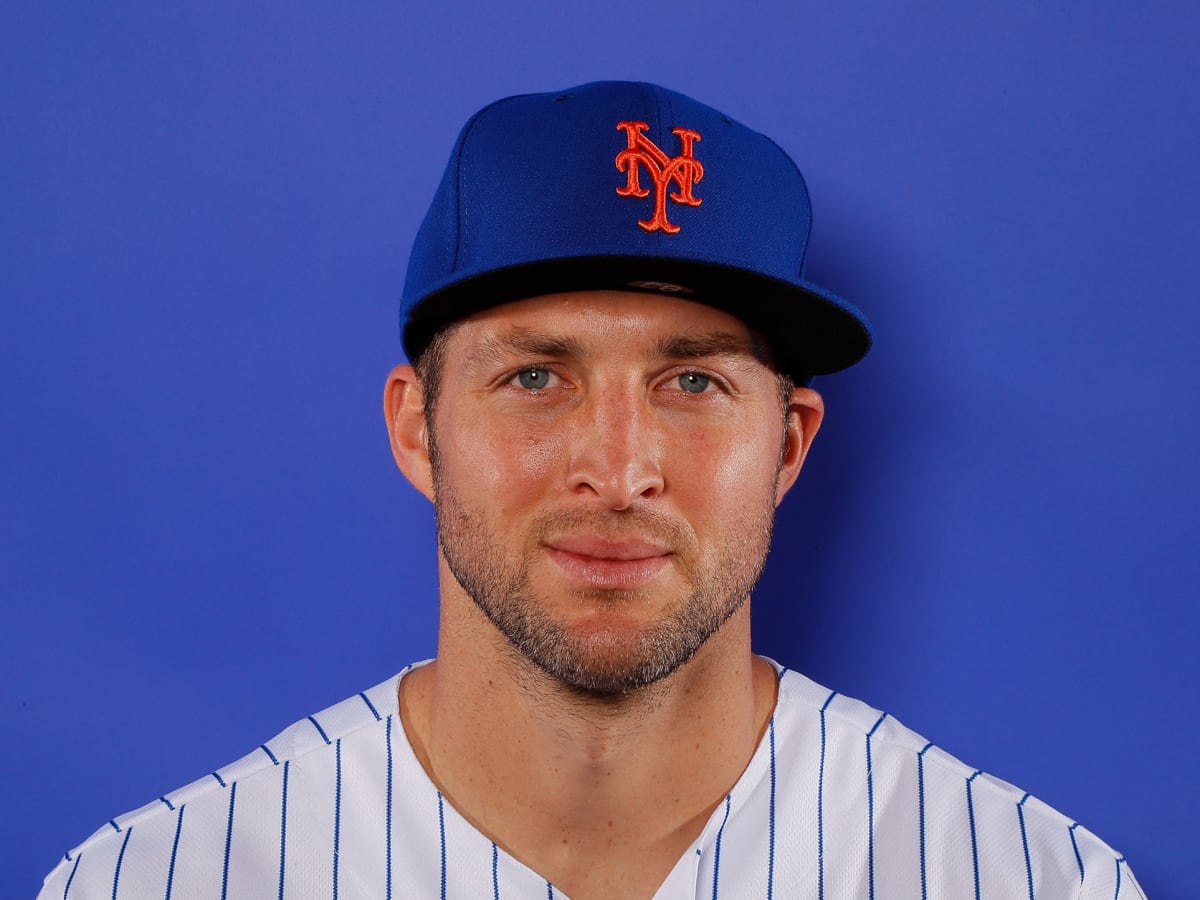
408	428
806	409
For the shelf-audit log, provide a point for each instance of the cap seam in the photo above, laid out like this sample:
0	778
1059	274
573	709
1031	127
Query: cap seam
807	197
460	181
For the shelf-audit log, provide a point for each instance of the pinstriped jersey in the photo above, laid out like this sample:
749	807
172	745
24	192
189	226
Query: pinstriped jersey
839	801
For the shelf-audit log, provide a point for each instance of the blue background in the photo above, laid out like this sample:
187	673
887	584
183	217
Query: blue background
205	215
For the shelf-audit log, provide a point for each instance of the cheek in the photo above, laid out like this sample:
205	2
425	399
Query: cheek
536	453
726	469
502	461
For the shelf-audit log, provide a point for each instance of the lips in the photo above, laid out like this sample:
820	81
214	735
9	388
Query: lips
601	563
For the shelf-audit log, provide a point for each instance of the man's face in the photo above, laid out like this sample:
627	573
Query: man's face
605	469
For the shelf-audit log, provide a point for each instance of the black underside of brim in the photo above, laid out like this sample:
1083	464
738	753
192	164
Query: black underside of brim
808	333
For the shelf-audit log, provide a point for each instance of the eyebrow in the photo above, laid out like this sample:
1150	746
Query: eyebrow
715	343
537	344
495	348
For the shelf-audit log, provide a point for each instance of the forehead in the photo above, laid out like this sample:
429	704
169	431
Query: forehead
604	322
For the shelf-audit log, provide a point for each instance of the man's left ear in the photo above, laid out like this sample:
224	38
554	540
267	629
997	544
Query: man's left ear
806	409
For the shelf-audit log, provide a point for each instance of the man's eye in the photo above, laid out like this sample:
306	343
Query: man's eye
533	379
694	382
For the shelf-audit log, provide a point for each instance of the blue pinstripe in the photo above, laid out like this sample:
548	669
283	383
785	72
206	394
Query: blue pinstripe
871	813
550	890
717	849
974	839
1025	843
771	820
337	812
115	826
1075	845
370	706
320	730
921	817
170	805
220	780
129	831
821	806
442	839
1116	893
71	877
271	756
283	828
495	872
388	811
174	851
228	842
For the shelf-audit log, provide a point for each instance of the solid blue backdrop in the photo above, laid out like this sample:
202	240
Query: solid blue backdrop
205	215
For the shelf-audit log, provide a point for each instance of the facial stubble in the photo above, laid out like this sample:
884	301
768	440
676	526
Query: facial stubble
595	662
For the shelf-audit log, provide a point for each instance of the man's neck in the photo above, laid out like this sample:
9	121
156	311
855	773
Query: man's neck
599	795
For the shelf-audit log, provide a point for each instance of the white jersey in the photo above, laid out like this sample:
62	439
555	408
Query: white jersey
839	802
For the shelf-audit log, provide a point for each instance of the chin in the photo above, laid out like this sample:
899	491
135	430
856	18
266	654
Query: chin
609	657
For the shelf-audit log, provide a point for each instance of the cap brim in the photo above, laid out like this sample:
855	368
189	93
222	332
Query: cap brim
810	330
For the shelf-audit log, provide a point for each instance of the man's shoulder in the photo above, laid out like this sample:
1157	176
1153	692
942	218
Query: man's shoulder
866	779
207	798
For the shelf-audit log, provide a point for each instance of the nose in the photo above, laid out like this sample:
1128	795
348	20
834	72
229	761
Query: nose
617	451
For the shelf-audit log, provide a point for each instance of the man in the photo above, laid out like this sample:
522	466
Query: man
612	344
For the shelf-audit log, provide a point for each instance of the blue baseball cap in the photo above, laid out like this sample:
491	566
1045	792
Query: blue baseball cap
626	186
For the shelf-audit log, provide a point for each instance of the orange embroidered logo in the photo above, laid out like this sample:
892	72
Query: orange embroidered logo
684	170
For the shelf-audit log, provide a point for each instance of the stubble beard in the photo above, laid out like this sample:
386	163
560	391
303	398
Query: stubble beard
599	664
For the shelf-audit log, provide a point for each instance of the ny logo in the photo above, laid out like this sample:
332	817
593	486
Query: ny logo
683	170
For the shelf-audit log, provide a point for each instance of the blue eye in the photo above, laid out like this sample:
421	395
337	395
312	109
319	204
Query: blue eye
533	379
694	382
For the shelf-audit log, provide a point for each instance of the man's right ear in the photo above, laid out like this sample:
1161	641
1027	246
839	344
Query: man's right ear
408	429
